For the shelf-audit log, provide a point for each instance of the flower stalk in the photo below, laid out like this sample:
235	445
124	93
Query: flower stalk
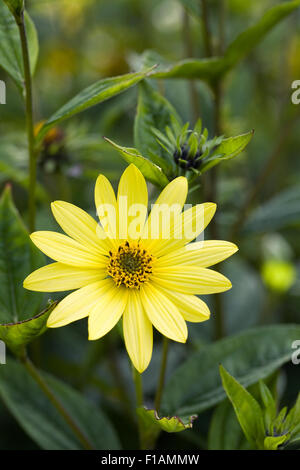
137	378
35	374
29	119
138	383
162	374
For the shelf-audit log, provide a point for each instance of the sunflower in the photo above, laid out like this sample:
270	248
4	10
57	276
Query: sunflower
142	268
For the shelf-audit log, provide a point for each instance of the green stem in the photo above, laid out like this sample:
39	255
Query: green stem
137	378
35	374
116	372
206	29
221	26
161	380
188	46
29	120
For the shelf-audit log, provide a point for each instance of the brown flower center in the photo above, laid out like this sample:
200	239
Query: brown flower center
130	265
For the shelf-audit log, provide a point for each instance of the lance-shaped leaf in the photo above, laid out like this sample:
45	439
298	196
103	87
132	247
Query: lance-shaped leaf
251	37
284	427
294	417
229	148
92	95
10	45
166	423
17	335
212	69
151	172
208	70
246	408
152	424
225	432
153	111
270	408
15	6
18	258
293	443
249	356
41	420
273	442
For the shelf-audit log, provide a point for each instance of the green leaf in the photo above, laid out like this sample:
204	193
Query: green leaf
151	172
152	424
10	45
293	443
294	416
18	258
92	95
249	356
42	422
272	443
225	433
267	397
280	211
211	70
15	6
279	421
17	335
229	148
246	408
153	111
166	423
208	70
269	403
250	38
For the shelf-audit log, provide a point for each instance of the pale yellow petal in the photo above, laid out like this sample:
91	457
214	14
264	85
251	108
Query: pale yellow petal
174	193
187	227
57	277
67	251
79	225
166	209
132	203
138	334
163	314
202	254
106	206
191	280
108	311
78	304
191	307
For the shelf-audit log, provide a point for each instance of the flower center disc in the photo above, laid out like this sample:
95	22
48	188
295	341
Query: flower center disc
130	265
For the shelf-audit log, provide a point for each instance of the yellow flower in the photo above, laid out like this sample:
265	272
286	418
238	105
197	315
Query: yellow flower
144	269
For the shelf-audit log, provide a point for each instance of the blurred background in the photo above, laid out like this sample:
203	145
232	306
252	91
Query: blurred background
258	192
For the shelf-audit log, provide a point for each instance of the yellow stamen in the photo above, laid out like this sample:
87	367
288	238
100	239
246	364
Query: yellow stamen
130	265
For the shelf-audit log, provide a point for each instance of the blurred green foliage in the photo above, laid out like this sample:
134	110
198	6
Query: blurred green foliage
258	192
